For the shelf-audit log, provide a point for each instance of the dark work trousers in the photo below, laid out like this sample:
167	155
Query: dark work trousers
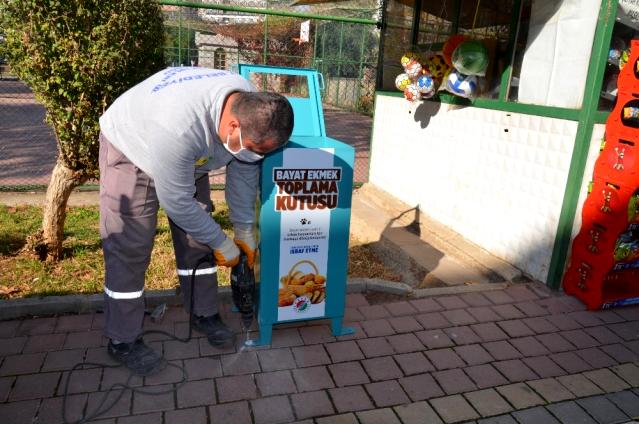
128	220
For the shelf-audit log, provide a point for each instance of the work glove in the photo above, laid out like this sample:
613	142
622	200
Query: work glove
227	254
245	240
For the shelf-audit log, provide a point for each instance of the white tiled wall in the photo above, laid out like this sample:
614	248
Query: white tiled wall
497	178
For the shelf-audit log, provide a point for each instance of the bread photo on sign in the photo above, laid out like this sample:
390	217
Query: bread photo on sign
297	284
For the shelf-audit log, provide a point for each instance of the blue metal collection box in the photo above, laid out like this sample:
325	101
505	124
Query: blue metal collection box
306	190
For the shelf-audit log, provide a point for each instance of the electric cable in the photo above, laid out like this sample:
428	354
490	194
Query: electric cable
103	406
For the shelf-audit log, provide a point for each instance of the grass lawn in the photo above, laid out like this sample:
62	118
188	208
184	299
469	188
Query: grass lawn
82	269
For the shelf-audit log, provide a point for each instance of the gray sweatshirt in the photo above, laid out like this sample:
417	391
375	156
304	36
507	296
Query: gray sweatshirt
167	126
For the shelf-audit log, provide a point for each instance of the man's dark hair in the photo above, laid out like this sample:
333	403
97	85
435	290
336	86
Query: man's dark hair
264	116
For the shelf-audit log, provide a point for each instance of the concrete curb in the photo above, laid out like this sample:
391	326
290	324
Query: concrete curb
79	303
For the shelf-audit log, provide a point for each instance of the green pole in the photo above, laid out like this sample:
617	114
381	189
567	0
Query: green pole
180	37
596	68
361	66
506	75
457	11
324	57
265	36
414	34
188	42
315	29
339	62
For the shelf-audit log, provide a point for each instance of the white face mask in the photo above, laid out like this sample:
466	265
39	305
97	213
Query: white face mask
243	154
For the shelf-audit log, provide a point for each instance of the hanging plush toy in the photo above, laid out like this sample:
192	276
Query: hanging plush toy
471	58
402	81
450	45
413	69
426	86
411	93
436	66
408	58
461	85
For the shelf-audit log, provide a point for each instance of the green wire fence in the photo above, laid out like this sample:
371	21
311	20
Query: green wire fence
341	42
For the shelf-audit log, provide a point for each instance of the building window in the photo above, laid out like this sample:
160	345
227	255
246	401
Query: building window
219	58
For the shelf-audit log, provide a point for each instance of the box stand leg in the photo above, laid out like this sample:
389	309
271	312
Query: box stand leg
266	336
338	330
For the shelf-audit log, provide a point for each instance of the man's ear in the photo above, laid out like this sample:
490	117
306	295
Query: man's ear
232	125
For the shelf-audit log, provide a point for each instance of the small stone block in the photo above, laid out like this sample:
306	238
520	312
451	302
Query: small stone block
485	376
276	359
579	385
489	332
520	395
551	390
272	410
387	393
454	409
349	399
444	359
312	378
421	387
488	402
378	416
240	363
602	409
344	351
502	350
413	363
474	354
275	383
237	412
34	386
570	412
308	356
404	343
627	401
544	367
607	380
377	328
629	372
235	388
417	413
383	368
312	404
196	393
349	418
348	374
515	370
377	346
434	339
405	324
191	416
158	398
535	416
516	328
454	381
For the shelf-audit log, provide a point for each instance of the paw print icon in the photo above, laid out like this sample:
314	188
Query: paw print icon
304	221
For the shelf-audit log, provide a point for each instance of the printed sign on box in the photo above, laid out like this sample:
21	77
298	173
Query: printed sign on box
306	193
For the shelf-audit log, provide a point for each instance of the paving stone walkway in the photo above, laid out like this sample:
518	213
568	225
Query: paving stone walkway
518	355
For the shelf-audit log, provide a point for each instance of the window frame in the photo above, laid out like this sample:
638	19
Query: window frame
219	56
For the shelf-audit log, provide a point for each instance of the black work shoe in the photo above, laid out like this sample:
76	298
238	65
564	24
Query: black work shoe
137	357
216	331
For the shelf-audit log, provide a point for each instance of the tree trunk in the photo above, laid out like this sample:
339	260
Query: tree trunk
63	181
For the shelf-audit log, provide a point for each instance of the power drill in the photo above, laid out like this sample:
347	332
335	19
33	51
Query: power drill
243	288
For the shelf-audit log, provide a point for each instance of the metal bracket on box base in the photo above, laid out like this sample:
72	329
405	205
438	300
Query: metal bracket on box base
266	336
338	330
